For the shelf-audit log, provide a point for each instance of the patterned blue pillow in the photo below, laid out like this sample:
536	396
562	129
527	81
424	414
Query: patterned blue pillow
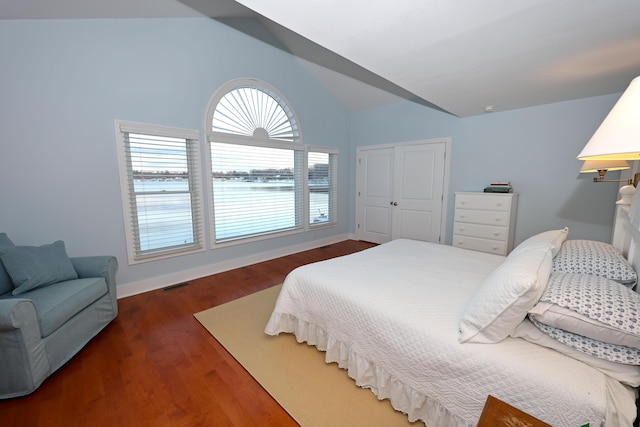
592	306
593	257
602	350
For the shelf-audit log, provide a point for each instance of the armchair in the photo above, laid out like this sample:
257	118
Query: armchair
43	326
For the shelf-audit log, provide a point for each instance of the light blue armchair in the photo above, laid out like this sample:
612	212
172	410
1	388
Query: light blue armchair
43	324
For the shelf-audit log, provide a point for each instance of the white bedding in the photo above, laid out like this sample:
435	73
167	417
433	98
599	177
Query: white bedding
390	316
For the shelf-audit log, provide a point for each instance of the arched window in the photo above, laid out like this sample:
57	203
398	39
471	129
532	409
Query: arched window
251	110
258	165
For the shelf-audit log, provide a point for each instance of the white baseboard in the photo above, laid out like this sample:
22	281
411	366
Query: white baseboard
134	288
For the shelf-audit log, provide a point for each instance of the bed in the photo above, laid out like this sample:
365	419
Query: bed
436	329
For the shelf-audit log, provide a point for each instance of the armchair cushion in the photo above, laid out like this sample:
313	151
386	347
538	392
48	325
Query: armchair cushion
31	267
6	285
59	302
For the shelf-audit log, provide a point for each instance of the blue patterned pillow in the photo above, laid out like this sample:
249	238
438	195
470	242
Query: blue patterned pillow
602	350
592	306
593	257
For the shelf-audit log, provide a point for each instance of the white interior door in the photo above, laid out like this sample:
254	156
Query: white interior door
375	191
418	192
400	190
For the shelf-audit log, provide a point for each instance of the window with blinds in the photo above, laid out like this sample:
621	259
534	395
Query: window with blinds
322	188
161	190
257	190
261	174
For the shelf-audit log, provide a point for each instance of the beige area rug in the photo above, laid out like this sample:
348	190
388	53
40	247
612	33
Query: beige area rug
313	392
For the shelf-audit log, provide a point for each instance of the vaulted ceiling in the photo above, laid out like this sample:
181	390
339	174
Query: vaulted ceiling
460	56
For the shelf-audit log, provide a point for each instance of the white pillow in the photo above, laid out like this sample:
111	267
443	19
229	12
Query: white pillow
626	374
592	306
554	238
502	300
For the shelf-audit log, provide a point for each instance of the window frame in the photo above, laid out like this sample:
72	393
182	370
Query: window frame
135	253
333	186
260	139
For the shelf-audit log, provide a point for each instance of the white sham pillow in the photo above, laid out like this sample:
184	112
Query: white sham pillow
503	299
553	238
591	306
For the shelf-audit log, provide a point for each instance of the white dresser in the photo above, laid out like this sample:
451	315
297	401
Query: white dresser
485	221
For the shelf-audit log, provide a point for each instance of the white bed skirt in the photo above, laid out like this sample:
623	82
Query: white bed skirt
366	374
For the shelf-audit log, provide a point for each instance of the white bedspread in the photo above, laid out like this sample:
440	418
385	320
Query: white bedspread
389	315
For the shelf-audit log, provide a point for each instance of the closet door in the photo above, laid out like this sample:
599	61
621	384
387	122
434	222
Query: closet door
375	192
399	191
418	187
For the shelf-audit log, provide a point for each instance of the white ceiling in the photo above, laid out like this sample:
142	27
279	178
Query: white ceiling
457	55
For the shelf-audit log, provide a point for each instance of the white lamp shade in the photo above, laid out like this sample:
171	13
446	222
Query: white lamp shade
590	166
618	137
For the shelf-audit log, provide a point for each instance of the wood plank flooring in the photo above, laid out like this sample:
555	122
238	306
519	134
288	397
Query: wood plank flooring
155	365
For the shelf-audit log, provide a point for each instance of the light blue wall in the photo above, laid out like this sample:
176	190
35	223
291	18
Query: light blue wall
534	148
62	84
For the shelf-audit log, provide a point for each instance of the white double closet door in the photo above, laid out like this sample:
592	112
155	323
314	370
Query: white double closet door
400	191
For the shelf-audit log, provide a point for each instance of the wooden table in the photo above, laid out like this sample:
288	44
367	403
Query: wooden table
497	413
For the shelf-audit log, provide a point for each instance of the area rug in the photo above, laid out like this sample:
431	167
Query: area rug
312	391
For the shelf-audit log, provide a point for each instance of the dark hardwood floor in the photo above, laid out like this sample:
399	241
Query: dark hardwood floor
155	365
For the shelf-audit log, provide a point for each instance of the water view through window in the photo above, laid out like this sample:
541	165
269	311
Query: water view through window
164	213
259	190
244	206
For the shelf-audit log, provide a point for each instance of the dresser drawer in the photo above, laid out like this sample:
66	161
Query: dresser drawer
483	231
477	244
483	201
485	221
482	217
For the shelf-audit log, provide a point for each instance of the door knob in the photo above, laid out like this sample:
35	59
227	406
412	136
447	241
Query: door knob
393	203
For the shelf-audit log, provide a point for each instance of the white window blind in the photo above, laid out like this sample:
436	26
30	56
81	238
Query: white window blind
257	190
244	110
322	189
161	191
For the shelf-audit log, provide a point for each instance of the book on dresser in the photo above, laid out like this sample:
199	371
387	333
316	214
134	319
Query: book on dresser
499	187
485	221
